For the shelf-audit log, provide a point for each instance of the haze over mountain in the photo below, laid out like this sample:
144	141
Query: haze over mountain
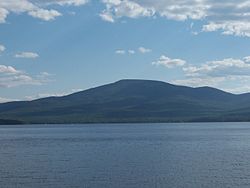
132	101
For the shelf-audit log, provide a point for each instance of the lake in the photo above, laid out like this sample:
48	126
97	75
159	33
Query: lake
125	155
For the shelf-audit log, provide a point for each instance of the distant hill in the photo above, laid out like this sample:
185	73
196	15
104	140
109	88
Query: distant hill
9	122
132	101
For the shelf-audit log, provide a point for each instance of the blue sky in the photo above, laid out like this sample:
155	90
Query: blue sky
56	47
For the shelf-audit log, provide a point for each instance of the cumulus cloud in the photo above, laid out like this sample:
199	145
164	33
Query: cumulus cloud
168	62
28	55
11	77
230	17
8	70
45	14
144	50
176	10
231	27
224	67
229	74
34	8
119	8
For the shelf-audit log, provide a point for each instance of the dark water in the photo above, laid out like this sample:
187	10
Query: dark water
133	155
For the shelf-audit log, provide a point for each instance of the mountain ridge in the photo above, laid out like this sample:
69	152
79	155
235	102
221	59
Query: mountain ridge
133	100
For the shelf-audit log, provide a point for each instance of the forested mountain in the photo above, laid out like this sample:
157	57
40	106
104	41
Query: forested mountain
132	101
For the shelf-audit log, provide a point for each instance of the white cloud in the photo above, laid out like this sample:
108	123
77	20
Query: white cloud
58	94
229	17
121	52
66	2
247	59
29	55
3	15
3	100
144	50
2	48
106	16
233	84
238	90
168	62
11	77
45	14
199	82
224	67
17	80
176	10
231	27
140	49
8	70
232	75
34	8
119	8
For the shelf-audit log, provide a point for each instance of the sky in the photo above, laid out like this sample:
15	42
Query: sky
57	47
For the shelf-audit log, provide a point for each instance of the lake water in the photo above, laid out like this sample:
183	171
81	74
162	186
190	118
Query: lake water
125	156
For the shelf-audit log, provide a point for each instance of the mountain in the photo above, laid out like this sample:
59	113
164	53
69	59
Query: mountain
132	101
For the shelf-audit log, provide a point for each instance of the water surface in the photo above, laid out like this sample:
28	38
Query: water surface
125	155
